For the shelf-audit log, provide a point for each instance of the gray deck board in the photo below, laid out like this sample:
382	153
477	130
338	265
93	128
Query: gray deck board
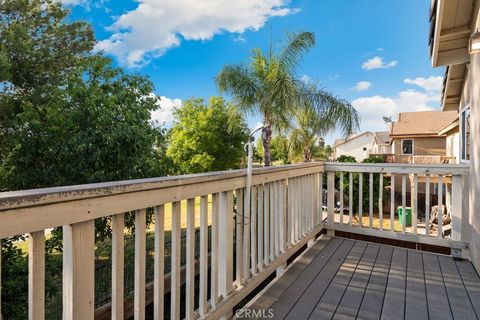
438	304
315	290
472	283
415	296
352	299
394	301
456	292
291	295
270	296
347	279
325	308
372	303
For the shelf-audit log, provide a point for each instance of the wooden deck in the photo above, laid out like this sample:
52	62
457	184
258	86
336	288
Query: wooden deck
340	278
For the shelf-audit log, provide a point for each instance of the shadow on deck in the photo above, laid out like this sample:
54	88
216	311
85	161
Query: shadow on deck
340	278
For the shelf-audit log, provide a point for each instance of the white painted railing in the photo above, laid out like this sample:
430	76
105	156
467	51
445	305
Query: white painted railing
283	215
377	213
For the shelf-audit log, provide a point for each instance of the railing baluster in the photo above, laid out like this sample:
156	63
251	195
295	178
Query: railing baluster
246	233
203	292
290	213
360	199
276	203
271	212
214	250
380	200
225	267
253	230
118	247
320	190
404	202
239	237
427	205
1	318
266	223
370	199
341	197
350	198
140	256
440	208
415	203
331	198
392	202
260	211
175	289
36	275
79	270
296	200
190	261
282	219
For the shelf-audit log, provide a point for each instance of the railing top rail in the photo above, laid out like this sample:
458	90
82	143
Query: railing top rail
34	197
400	168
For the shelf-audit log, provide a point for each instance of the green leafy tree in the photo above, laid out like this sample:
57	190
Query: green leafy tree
206	137
39	49
269	85
66	117
97	130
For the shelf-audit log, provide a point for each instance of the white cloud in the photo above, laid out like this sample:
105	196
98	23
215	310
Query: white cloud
75	2
430	84
164	115
378	63
363	85
373	108
156	26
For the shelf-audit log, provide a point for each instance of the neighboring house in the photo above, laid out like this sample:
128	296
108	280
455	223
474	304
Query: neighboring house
382	143
455	44
358	145
416	139
452	132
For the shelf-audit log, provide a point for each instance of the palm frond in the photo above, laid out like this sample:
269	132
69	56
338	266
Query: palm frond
296	46
237	81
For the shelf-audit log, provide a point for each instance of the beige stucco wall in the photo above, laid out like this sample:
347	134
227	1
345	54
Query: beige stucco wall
421	147
471	96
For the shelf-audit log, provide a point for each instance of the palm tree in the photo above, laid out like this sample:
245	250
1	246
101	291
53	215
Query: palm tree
269	85
307	129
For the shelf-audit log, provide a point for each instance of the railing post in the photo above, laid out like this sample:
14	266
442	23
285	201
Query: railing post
330	198
456	206
225	249
78	270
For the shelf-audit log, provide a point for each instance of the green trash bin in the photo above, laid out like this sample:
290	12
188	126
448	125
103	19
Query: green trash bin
408	215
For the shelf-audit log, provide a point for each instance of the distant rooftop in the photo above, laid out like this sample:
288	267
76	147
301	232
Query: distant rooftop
423	123
382	138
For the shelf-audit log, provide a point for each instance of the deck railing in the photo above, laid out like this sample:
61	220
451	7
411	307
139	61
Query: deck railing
384	192
284	213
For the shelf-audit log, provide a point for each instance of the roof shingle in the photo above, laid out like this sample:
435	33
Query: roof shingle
422	122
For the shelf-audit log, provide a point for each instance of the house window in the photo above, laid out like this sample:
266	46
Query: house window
364	148
465	134
407	147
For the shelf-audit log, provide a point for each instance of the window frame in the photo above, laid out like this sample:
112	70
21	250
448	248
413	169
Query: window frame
413	147
463	143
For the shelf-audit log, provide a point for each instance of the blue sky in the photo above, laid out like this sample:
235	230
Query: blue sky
372	52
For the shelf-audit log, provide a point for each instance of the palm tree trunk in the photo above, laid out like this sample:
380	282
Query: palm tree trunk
266	139
307	154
